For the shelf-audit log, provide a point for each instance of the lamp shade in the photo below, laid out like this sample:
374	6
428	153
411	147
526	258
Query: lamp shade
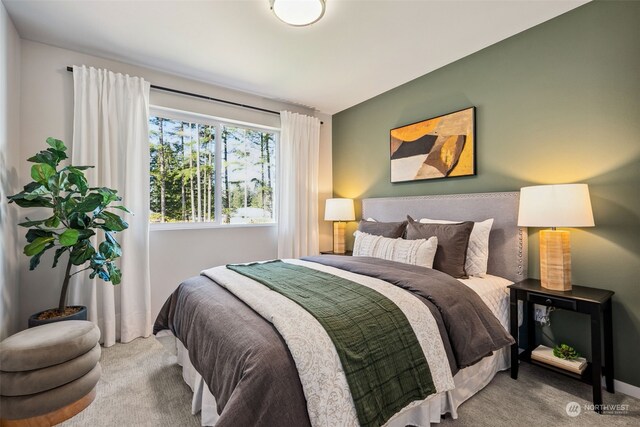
298	12
561	205
339	210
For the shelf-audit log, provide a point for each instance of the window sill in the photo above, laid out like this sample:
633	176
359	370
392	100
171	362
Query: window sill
168	226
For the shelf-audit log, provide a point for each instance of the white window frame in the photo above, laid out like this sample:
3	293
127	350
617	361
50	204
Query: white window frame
217	122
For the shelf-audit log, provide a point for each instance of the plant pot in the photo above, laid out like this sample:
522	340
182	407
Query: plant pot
80	315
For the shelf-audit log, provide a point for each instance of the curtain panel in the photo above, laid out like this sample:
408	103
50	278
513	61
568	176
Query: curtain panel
110	132
297	213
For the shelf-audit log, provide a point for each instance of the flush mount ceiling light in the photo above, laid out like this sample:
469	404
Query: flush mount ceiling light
298	12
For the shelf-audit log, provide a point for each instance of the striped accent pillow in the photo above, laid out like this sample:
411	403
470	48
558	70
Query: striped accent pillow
419	252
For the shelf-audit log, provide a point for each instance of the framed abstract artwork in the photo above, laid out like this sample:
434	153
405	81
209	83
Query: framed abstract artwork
440	147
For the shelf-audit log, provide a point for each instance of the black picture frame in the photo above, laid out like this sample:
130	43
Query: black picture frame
439	147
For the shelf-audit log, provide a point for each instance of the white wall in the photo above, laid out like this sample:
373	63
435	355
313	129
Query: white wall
325	184
9	172
179	254
47	110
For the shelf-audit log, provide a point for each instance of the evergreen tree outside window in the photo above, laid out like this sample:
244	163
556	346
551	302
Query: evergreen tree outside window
205	171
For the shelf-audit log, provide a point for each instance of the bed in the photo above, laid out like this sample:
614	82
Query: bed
254	369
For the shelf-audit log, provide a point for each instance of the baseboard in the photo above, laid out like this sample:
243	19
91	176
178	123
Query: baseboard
624	388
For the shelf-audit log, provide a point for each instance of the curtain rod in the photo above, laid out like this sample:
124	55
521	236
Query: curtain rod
208	98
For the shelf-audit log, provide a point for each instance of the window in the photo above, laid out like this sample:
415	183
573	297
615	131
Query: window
209	171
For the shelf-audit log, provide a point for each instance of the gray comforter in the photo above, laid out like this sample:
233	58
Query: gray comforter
472	329
247	365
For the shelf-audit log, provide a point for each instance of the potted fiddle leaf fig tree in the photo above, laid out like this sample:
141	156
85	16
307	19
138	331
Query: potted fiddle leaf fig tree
76	212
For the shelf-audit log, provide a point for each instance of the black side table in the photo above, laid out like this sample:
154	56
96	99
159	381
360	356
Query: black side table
348	253
591	301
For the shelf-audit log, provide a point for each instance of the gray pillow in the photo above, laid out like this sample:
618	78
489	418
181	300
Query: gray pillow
384	229
453	241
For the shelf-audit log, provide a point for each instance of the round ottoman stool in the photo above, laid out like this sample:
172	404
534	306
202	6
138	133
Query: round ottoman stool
48	373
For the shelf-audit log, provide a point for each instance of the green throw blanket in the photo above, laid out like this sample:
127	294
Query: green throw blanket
380	354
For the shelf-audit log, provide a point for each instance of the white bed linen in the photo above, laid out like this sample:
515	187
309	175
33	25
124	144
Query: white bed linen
468	381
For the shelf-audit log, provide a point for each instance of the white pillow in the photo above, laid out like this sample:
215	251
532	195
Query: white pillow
417	252
478	250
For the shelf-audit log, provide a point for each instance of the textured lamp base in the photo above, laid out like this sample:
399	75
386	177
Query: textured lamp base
555	260
338	237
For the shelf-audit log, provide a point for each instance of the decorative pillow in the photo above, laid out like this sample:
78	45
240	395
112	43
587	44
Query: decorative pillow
385	229
478	251
417	252
453	241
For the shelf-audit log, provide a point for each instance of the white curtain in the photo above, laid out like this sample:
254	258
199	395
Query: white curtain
297	195
110	132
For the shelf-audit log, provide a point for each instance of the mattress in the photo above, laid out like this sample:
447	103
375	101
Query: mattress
468	381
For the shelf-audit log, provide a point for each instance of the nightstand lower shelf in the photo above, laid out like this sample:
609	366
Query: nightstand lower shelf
585	377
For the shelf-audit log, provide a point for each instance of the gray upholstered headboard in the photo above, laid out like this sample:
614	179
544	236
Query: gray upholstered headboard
507	241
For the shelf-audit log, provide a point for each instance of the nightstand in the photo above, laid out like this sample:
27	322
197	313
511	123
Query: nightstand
591	301
348	253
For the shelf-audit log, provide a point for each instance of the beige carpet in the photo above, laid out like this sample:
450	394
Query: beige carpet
141	385
539	398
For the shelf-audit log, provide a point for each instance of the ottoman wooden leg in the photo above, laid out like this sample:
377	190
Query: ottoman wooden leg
55	417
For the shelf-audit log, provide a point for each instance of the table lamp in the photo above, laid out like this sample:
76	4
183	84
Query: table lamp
339	210
563	205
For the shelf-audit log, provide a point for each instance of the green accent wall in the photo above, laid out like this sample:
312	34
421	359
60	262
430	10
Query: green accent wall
558	103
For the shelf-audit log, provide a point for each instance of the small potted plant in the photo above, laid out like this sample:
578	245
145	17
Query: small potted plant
566	352
76	213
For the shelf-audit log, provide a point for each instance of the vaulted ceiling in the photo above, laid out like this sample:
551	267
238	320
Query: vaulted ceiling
359	49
